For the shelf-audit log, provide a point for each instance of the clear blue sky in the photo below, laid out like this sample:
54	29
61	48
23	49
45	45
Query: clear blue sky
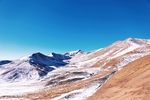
46	26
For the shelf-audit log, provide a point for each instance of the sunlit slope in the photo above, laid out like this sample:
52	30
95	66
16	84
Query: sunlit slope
130	83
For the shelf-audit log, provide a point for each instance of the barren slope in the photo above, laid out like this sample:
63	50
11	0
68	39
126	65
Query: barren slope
131	83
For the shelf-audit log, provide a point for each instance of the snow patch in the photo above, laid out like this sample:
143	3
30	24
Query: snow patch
19	88
131	48
127	59
80	94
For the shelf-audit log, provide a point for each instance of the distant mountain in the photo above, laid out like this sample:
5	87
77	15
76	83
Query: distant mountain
4	62
73	75
73	53
33	66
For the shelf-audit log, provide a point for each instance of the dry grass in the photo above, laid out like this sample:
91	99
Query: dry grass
131	83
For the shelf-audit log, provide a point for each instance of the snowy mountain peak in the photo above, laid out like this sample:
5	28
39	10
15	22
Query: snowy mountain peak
134	42
137	42
38	55
34	55
59	56
73	53
25	57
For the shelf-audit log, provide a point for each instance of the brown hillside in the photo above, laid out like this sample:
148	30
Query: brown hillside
131	83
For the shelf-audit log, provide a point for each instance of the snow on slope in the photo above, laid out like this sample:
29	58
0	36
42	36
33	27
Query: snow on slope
19	88
60	69
31	67
85	92
79	94
118	49
131	46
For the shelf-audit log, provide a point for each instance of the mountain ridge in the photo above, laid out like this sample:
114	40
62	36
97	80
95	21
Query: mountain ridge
77	70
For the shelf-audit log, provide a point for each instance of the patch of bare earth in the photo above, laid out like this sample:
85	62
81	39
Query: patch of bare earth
131	83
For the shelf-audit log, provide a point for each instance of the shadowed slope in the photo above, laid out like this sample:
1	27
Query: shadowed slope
3	62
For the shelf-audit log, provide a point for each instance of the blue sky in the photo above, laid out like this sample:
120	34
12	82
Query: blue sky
46	26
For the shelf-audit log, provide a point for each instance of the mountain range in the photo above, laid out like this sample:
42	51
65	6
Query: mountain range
119	71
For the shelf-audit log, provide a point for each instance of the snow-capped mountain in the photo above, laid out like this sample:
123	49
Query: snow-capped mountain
33	66
74	53
73	75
